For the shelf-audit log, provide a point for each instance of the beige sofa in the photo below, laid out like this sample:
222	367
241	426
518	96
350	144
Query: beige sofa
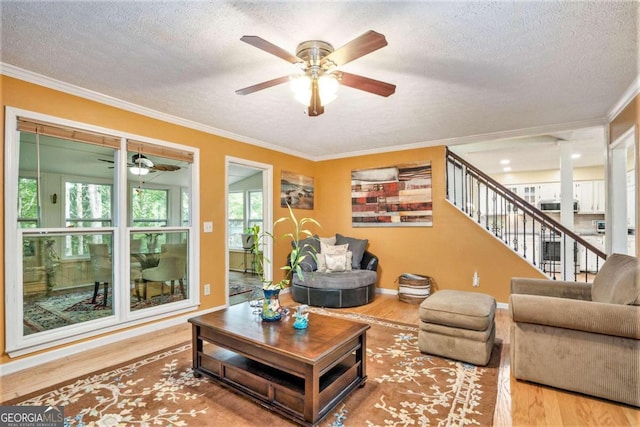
580	337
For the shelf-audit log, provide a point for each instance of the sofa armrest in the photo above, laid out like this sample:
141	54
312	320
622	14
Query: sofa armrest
551	288
369	261
587	316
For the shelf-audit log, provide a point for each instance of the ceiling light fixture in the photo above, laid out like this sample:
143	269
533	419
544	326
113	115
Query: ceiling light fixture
506	169
505	161
140	165
302	87
575	156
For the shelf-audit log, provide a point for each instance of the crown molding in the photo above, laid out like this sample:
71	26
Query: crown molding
48	82
516	133
628	96
39	79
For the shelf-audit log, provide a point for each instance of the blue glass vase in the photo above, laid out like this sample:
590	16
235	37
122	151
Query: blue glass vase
271	310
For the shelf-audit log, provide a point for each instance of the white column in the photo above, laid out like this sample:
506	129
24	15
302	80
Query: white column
566	207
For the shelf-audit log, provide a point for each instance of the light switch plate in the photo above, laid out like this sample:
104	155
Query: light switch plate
207	289
208	226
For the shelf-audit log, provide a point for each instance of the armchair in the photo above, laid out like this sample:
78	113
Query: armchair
172	267
579	336
102	269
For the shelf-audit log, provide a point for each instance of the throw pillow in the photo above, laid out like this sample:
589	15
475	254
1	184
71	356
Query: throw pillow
328	240
309	246
322	265
333	249
357	246
336	262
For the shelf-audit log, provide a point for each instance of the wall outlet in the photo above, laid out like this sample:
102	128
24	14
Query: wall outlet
207	289
476	279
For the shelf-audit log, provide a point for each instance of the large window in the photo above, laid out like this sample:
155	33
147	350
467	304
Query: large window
104	244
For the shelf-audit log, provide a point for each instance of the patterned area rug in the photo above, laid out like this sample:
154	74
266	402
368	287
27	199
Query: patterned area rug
404	387
241	283
56	311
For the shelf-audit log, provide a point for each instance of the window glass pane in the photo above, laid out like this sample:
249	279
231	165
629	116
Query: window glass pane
236	219
185	208
150	207
27	203
255	205
59	293
159	276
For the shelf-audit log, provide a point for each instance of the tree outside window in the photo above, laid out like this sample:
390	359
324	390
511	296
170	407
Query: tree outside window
86	205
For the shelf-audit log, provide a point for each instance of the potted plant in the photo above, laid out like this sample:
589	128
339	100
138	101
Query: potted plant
271	310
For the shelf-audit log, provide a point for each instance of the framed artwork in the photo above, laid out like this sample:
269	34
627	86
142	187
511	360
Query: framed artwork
296	190
393	196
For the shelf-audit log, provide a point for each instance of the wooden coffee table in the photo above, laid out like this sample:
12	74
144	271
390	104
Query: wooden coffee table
301	374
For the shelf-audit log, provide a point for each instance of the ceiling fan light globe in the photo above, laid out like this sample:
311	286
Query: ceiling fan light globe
328	86
138	171
301	88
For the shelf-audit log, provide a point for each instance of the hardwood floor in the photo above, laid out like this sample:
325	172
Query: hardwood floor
519	403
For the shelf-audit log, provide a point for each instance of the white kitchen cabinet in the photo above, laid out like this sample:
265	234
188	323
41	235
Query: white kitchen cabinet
590	196
548	191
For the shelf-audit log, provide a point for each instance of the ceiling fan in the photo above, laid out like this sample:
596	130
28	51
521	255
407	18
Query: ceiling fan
319	62
142	165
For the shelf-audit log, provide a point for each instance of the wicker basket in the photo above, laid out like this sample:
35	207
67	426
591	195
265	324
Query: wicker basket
414	290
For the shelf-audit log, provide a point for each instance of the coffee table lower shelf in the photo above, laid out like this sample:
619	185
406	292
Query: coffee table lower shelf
277	389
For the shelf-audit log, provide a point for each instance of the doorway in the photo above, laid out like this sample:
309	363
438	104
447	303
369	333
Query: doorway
248	203
624	195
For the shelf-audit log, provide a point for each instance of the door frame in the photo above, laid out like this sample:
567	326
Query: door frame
267	212
616	221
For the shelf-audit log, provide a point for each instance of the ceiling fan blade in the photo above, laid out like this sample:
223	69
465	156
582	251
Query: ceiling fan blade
360	46
271	48
263	85
315	103
366	84
165	168
107	161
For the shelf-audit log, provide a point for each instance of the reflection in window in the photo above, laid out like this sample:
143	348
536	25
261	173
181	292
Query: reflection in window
58	294
159	277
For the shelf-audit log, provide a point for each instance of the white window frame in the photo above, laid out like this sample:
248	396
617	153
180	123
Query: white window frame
16	343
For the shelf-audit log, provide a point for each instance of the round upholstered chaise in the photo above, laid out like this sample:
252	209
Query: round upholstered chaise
338	289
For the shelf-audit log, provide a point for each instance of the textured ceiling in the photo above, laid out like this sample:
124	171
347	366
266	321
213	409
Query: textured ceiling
461	68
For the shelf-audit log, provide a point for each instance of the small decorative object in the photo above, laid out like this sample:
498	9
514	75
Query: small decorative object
302	317
271	309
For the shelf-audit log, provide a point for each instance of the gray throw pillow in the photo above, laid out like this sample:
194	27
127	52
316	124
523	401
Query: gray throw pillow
357	246
310	245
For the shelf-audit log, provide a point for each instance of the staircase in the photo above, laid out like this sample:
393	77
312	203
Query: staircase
541	240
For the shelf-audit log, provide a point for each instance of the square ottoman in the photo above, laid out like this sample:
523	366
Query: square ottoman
459	325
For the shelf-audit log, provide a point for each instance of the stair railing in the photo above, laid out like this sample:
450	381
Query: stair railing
535	236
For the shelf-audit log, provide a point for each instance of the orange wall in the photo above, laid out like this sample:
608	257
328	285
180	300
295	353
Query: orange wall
450	251
213	149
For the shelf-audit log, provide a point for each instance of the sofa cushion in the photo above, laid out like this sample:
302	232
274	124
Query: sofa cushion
357	246
337	280
618	281
309	247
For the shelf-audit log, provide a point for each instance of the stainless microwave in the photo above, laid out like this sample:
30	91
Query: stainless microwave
600	226
554	205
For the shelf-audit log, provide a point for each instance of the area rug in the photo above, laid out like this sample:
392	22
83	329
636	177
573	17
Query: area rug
240	283
56	311
404	388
